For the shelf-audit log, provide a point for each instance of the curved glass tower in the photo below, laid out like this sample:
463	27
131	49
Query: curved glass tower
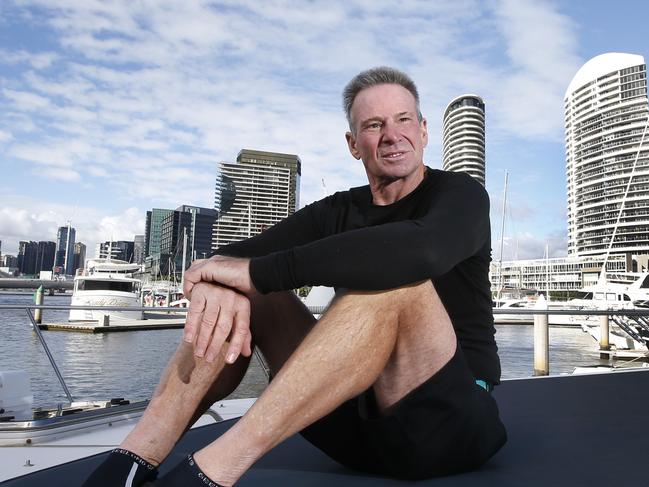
464	136
605	116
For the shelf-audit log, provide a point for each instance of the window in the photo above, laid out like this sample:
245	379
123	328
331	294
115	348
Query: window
89	285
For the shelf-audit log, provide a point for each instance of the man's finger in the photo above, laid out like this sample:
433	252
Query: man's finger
208	323
242	319
220	335
238	339
247	346
194	316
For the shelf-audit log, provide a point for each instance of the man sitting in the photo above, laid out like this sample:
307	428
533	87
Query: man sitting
395	378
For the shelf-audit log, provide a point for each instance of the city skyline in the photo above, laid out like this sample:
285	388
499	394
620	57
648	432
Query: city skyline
111	110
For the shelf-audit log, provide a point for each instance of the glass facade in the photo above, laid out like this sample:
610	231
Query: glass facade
64	258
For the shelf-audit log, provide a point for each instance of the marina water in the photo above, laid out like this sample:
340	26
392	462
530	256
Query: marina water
129	364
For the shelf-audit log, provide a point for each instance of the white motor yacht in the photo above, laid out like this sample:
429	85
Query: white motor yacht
106	282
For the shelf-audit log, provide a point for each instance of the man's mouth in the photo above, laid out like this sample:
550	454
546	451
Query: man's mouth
393	155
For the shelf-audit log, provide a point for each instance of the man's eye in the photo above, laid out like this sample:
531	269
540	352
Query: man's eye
374	125
404	119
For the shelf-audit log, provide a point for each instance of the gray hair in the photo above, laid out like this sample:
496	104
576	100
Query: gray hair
377	76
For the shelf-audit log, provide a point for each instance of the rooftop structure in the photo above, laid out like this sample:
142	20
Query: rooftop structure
277	159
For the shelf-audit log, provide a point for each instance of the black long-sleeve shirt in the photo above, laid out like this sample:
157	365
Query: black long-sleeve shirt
439	231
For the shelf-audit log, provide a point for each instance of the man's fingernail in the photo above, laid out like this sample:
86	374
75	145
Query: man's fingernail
189	337
231	358
210	357
200	352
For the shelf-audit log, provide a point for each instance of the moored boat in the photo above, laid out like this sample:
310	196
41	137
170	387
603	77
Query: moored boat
106	282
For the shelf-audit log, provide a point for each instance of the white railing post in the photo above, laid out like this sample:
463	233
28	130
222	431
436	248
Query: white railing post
541	339
604	343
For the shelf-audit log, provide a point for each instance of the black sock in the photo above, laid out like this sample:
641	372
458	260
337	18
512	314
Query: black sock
122	468
188	474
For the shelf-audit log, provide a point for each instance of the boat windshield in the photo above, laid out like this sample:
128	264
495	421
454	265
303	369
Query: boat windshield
583	295
106	285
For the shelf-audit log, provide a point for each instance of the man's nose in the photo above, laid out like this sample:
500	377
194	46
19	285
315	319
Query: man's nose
390	133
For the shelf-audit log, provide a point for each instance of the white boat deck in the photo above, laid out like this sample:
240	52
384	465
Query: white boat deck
83	441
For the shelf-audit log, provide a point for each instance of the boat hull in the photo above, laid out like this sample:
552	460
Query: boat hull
104	298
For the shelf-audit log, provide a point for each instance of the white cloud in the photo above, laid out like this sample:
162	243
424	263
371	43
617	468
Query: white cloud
59	174
141	99
28	221
542	46
118	227
26	101
5	136
525	245
36	60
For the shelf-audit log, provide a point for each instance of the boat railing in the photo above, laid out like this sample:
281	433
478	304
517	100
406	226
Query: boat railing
540	315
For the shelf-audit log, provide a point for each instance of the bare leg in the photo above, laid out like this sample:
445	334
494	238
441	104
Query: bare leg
190	384
183	385
360	341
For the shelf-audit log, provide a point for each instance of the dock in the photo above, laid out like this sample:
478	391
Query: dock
151	321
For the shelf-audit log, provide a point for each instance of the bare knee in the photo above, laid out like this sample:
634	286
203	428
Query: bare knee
400	300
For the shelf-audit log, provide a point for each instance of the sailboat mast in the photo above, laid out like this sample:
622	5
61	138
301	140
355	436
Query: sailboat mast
502	237
182	274
547	272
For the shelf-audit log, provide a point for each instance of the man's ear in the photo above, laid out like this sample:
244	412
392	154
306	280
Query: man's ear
424	133
351	143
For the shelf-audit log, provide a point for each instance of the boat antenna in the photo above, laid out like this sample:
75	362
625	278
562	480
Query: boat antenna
602	275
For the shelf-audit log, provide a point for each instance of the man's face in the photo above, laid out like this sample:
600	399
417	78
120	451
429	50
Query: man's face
388	137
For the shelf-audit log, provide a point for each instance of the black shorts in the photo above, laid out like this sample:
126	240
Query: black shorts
447	425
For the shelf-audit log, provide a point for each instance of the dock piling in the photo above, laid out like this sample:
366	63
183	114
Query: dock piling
541	339
38	300
604	344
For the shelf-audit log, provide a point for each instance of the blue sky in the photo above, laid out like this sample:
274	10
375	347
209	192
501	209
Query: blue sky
112	108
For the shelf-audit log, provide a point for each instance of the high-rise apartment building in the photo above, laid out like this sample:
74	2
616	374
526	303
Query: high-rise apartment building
139	249
45	256
27	254
79	256
277	159
9	261
64	258
117	250
464	136
153	231
605	117
196	224
249	198
34	257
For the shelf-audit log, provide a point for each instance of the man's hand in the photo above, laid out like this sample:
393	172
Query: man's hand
231	272
216	313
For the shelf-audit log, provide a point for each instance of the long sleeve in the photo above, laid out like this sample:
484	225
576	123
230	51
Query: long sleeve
297	229
454	227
